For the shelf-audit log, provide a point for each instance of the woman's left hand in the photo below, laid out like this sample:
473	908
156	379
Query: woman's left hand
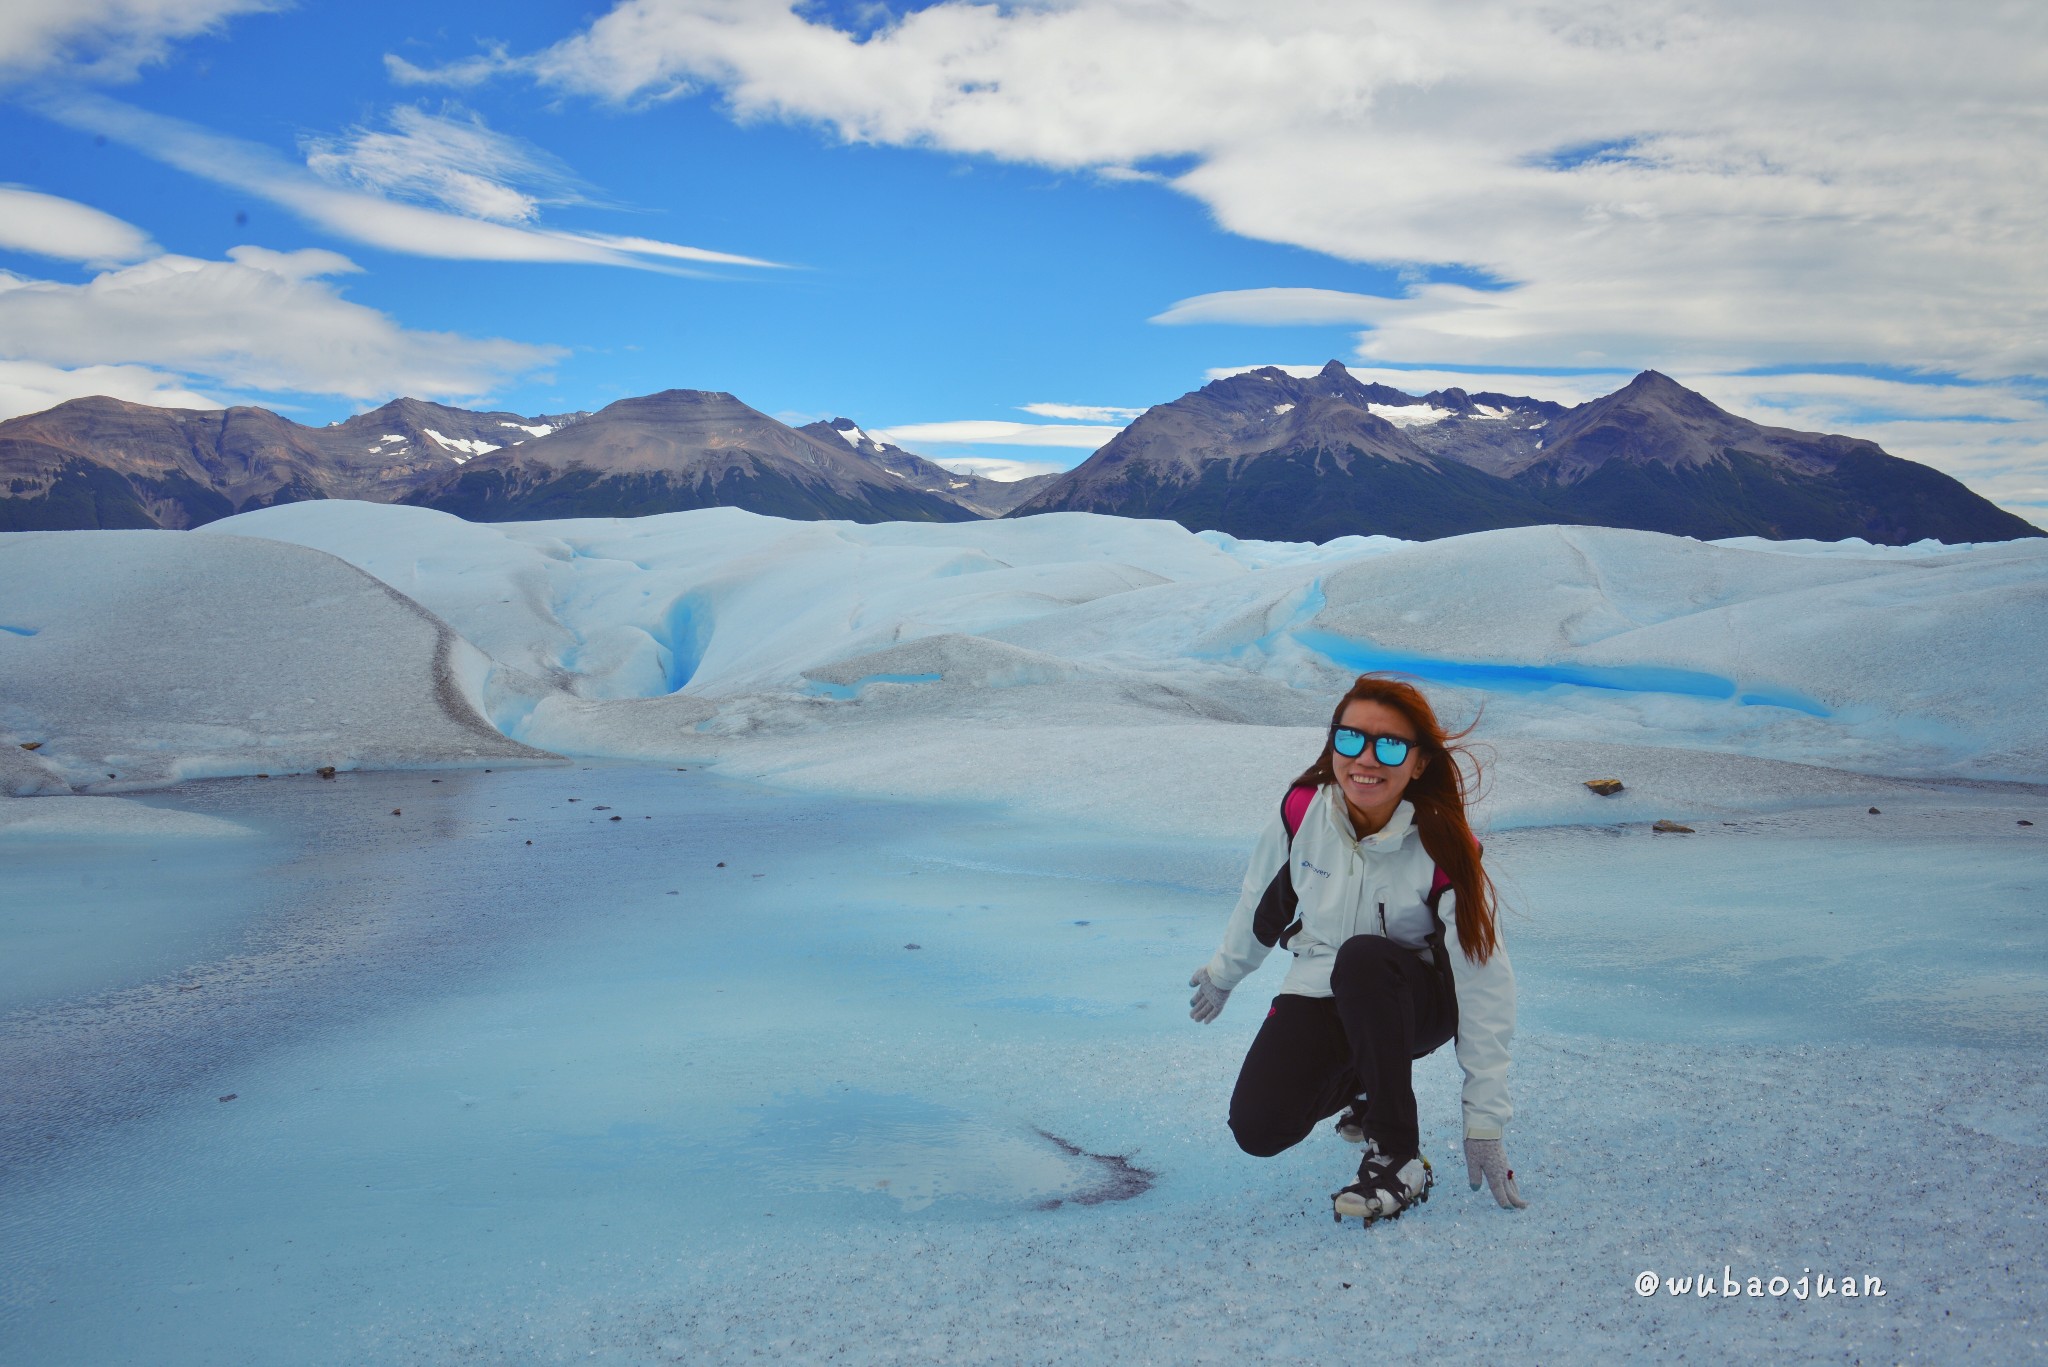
1207	1003
1486	1158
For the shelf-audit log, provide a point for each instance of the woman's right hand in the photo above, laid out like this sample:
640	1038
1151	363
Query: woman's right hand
1207	1003
1486	1158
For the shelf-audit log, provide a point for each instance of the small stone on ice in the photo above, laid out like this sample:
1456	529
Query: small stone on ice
1672	828
1875	812
913	946
1606	787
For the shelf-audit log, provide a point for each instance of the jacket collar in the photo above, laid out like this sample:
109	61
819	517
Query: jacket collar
1388	836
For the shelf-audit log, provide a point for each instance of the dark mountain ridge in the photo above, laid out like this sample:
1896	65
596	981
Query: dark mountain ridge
1270	455
101	462
681	448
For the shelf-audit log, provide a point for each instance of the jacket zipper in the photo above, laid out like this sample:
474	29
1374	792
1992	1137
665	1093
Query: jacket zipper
1383	920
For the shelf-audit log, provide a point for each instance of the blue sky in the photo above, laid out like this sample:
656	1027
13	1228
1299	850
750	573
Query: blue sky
972	215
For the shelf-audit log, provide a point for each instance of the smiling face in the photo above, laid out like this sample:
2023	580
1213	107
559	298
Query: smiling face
1372	790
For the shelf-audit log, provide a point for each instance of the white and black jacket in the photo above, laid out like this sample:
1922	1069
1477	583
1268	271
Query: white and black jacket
1344	886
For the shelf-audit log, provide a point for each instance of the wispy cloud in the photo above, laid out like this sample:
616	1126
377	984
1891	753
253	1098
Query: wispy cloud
357	214
261	320
995	467
975	432
493	61
451	159
1072	412
65	230
104	39
1278	307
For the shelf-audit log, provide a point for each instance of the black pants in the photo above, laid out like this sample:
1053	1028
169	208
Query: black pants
1314	1054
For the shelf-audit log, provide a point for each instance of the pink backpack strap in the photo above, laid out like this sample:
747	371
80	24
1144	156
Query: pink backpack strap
1294	807
1439	884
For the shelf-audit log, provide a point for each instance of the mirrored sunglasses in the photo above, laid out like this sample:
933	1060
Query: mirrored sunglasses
1388	750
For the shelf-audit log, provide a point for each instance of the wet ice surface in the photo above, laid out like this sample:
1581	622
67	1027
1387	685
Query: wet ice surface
599	1099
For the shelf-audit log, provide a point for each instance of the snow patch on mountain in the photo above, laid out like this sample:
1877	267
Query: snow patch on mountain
1410	415
463	448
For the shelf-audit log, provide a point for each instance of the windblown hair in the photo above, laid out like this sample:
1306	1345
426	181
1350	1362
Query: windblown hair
1438	794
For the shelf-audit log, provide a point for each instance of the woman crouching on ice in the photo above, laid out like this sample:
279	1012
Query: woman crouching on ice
1368	858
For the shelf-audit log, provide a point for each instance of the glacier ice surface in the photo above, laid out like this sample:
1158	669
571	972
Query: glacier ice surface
910	1077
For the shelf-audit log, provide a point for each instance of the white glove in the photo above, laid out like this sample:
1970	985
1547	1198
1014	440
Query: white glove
1207	1003
1485	1158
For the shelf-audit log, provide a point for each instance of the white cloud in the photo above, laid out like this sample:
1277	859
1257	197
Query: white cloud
1714	185
45	225
262	320
472	71
1277	307
32	386
995	467
109	39
987	433
1071	412
358	215
446	159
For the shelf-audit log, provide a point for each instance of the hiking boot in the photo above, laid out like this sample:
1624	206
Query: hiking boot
1385	1187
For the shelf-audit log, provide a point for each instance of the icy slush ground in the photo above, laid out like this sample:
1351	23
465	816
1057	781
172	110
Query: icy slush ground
519	1104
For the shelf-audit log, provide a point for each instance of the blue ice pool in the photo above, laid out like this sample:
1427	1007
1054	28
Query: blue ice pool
1365	656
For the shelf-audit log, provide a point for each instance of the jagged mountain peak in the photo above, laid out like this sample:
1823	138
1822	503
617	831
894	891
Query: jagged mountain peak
1333	382
852	433
1655	420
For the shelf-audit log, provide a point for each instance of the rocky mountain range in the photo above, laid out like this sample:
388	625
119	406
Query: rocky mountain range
1267	454
100	462
1264	454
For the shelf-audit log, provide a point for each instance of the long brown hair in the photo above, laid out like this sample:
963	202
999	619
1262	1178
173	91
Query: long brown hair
1438	794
